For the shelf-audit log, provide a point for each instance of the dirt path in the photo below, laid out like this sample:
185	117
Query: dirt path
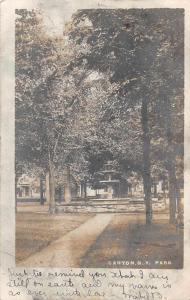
68	250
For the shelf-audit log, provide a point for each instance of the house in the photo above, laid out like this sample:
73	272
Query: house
28	187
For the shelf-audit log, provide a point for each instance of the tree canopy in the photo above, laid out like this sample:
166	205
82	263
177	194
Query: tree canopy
111	87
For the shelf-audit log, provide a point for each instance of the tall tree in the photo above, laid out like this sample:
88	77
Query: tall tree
47	95
134	46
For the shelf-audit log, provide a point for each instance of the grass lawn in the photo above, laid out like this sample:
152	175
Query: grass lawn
35	231
127	240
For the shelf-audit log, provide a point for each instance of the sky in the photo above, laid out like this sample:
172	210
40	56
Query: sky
58	12
55	19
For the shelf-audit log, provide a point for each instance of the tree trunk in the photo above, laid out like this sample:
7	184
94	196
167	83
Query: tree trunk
146	161
164	188
16	182
178	197
51	188
41	190
155	190
129	190
171	164
67	185
47	188
85	189
172	188
82	190
60	194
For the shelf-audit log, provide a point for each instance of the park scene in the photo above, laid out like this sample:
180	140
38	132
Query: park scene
99	139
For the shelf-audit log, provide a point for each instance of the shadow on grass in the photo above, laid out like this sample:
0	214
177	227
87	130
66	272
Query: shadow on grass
130	243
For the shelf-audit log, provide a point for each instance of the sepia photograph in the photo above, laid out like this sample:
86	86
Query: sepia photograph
99	138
